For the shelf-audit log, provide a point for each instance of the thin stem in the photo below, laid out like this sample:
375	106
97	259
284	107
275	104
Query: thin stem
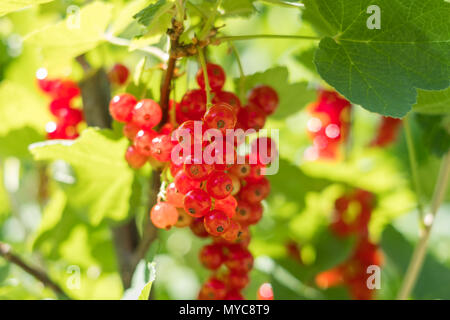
414	166
241	72
209	22
262	36
201	57
154	51
419	253
6	252
284	3
166	87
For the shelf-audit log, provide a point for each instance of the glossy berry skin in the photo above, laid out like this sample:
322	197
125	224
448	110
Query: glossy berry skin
232	232
239	259
211	256
228	98
251	117
219	185
71	116
216	77
221	153
265	98
164	215
118	74
197	203
265	292
216	222
233	295
197	170
255	213
121	107
227	205
213	289
143	141
184	220
240	170
220	116
57	106
243	212
256	191
264	150
173	196
184	184
57	130
134	158
237	280
147	113
192	106
130	130
161	147
198	228
189	133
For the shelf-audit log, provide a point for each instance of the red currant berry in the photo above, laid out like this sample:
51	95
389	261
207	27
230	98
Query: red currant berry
219	185
211	256
134	158
256	191
184	184
220	116
233	295
143	141
240	170
189	132
64	89
229	98
213	289
130	130
60	131
216	223
173	196
197	170
227	205
251	117
255	213
57	106
237	280
197	203
147	113
221	153
164	215
71	116
243	212
192	105
265	98
198	228
184	220
118	74
216	77
161	147
265	292
264	150
239	259
232	232
121	107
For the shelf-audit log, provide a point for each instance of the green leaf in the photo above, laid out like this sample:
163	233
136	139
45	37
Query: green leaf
238	7
433	102
103	177
435	132
15	142
380	69
293	96
7	6
156	18
75	35
124	16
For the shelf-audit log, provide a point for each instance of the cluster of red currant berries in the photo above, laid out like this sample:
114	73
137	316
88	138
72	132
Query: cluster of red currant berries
62	92
352	215
219	198
387	132
328	125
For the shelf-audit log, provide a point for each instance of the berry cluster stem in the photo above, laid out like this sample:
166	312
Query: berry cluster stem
219	40
202	59
209	22
241	72
419	253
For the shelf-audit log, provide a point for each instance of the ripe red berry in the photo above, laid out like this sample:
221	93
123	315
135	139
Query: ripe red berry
71	116
265	98
256	191
134	158
232	232
243	212
227	205
64	89
264	150
198	228
161	147
130	130
197	203
147	113
216	77
118	74
211	256
192	105
239	259
184	184
213	289
197	170
143	141
229	98
237	280
265	292
164	215
233	295
255	213
121	107
60	131
58	105
220	116
173	196
184	220
240	170
216	222
251	117
220	153
189	133
219	185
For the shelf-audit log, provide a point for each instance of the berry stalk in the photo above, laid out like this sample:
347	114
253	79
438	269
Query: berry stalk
201	57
